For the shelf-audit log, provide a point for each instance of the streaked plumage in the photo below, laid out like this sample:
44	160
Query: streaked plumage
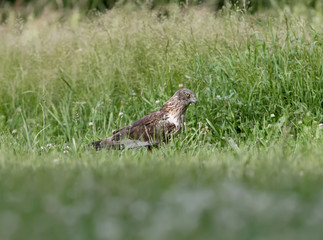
153	128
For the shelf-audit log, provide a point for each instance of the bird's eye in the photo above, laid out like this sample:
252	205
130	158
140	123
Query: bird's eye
187	95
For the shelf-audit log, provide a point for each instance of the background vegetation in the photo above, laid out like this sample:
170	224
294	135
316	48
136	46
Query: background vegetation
25	8
248	165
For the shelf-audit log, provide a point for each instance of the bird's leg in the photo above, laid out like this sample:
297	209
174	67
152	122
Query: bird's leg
149	149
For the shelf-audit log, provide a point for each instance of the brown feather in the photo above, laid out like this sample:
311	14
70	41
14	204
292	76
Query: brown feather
144	129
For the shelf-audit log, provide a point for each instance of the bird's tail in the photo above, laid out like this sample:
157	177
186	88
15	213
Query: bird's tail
106	144
96	145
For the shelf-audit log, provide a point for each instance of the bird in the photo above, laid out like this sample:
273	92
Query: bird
154	128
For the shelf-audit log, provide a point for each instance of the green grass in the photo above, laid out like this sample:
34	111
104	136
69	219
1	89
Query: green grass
248	165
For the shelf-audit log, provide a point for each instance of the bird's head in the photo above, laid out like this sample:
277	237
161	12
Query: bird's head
185	96
179	102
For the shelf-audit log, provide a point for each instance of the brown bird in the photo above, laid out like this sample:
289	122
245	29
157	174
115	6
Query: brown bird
153	128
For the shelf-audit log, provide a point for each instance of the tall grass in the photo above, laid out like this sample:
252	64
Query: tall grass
257	78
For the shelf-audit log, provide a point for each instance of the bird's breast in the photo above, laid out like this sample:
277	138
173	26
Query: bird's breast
174	119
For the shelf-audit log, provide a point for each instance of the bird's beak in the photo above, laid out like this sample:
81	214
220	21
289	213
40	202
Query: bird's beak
194	101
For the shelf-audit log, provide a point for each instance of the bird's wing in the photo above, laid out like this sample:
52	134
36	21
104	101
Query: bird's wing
152	128
147	131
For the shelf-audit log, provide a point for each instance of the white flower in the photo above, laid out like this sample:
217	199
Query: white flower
218	96
120	114
157	101
42	148
206	127
272	115
300	122
65	151
67	147
49	145
91	123
321	125
14	131
180	85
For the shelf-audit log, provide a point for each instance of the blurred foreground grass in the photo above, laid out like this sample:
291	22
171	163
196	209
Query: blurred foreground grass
273	194
248	166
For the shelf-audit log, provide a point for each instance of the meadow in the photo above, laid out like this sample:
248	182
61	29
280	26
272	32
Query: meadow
247	166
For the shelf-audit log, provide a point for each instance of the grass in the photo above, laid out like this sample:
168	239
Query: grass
248	165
